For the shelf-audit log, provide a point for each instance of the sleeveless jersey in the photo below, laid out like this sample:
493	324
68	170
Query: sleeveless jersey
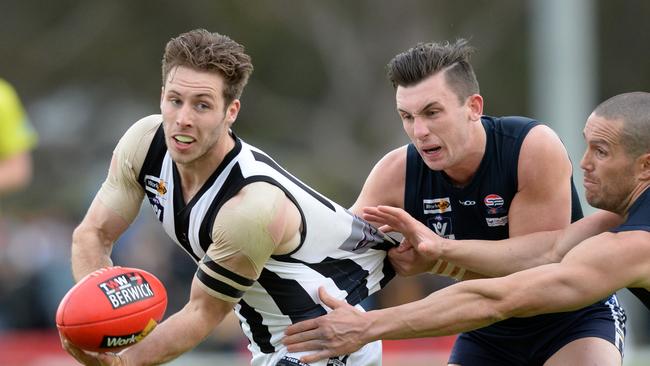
337	250
638	219
480	209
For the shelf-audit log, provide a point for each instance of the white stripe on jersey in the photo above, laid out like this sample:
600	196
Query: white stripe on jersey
200	209
337	250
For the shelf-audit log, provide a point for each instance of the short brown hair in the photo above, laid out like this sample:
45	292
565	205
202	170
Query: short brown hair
201	50
634	110
425	59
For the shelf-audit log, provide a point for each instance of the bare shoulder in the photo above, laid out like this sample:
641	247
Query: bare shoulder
385	183
542	142
543	160
394	159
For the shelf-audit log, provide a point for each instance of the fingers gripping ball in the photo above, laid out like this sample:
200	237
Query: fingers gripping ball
111	308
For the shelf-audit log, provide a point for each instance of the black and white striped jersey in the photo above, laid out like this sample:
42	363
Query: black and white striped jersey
337	250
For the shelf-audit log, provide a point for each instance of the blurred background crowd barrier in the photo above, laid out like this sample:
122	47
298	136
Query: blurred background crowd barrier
318	101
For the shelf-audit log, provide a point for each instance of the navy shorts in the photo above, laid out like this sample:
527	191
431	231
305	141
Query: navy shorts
532	341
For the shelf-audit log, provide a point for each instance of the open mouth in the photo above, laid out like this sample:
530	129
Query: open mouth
432	150
183	139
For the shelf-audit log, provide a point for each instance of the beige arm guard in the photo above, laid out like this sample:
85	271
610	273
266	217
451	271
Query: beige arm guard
448	269
247	230
121	191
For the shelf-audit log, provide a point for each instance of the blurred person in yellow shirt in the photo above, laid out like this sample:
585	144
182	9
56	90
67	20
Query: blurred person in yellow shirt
17	139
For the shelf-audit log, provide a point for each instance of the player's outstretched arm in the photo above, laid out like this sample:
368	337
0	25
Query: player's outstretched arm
493	258
583	277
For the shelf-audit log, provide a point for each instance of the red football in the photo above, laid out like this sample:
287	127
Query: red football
111	308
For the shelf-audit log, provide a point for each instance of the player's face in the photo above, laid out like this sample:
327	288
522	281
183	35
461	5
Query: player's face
196	121
608	170
438	124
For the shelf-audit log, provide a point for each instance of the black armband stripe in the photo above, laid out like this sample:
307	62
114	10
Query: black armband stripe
216	268
218	286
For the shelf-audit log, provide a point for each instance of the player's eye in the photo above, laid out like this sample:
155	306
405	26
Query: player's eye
406	116
202	106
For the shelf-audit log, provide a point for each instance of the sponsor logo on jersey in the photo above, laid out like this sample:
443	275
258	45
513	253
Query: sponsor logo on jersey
112	341
442	226
494	204
493	201
158	189
126	289
155	185
497	221
467	202
436	205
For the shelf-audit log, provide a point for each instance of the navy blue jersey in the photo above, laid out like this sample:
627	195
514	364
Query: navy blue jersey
478	210
638	219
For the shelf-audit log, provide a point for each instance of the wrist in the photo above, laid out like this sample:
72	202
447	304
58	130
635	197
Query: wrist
373	331
446	249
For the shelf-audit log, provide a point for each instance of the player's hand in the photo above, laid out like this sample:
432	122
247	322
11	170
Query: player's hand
416	234
91	358
337	333
408	262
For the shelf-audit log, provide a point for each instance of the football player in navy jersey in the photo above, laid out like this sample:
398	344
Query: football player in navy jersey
466	175
596	256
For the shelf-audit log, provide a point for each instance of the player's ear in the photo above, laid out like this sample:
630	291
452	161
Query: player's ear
644	165
232	110
475	105
162	93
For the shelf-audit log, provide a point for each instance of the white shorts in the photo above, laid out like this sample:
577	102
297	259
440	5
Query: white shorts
368	355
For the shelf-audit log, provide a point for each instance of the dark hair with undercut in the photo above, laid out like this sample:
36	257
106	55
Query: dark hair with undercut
425	59
634	110
205	51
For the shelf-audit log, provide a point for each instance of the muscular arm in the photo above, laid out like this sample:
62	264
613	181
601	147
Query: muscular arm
591	271
116	204
525	251
92	240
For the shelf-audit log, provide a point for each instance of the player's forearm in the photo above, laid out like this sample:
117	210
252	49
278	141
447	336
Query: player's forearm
89	252
500	258
178	334
169	340
455	309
